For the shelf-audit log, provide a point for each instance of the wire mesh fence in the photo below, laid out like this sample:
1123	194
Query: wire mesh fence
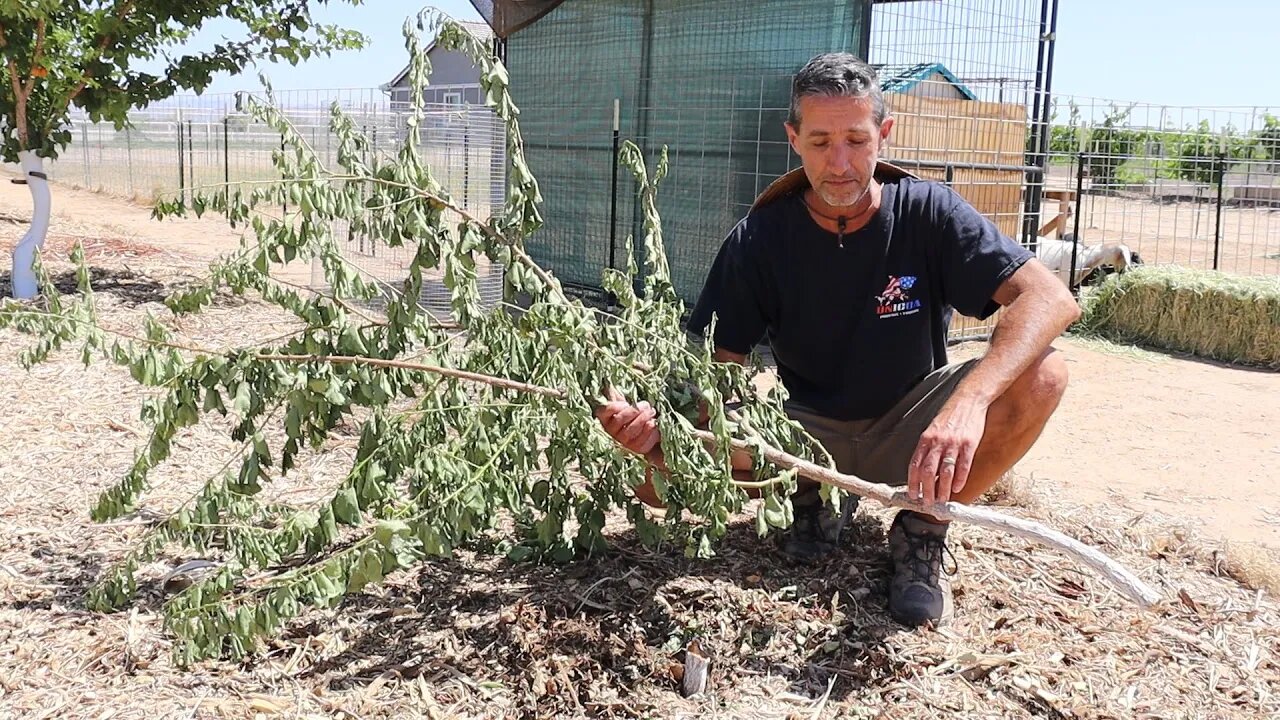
1197	187
201	142
710	83
188	141
965	81
707	80
990	46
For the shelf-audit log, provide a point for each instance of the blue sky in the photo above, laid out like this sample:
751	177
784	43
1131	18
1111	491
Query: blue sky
1174	52
1179	52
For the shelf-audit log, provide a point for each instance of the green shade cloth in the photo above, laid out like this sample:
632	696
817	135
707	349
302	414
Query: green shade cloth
709	79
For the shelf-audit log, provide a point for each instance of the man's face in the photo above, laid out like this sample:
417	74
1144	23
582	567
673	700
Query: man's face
838	143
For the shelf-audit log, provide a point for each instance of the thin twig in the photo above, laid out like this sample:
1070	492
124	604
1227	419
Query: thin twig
35	56
121	427
334	298
822	704
435	369
200	701
118	333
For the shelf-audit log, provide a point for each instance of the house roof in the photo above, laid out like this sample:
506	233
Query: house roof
480	29
901	78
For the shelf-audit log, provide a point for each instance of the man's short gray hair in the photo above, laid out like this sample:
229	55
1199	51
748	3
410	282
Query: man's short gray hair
837	74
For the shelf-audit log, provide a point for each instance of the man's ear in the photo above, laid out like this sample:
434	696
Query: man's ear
793	135
885	128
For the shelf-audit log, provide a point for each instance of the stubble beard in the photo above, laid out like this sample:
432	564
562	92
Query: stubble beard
844	200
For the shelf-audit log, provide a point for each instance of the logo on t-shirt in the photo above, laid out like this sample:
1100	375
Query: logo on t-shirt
896	298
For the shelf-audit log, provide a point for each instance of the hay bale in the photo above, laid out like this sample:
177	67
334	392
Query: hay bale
1211	314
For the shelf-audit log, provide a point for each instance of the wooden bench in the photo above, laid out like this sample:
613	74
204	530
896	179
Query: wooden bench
1058	225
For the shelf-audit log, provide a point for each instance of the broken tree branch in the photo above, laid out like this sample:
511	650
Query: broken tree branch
36	57
1119	576
1116	574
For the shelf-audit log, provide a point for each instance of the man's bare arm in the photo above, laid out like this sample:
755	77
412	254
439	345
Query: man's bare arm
1037	308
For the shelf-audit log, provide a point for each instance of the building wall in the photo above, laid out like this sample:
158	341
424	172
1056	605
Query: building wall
468	94
451	72
929	132
452	68
936	85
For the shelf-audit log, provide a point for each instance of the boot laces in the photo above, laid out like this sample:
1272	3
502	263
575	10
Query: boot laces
926	551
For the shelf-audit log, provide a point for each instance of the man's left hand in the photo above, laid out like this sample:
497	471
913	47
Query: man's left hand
941	463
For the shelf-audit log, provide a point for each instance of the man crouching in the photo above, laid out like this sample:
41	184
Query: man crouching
851	268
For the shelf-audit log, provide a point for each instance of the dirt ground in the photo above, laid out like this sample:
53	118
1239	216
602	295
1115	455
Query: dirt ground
75	210
1181	437
1144	443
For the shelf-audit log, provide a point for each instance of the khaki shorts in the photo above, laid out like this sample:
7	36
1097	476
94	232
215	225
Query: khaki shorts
878	450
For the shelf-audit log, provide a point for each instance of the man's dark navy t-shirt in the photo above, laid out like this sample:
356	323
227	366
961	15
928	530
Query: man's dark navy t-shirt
854	328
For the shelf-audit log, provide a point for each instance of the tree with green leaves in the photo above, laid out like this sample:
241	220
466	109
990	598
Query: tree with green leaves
467	427
1267	140
1108	144
1064	140
85	55
1195	150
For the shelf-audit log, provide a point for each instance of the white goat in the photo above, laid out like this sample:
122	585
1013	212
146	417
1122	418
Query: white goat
1056	255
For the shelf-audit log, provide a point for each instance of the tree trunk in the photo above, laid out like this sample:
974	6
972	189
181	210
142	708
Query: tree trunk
24	277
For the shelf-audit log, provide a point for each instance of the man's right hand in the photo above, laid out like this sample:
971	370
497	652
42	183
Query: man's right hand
635	427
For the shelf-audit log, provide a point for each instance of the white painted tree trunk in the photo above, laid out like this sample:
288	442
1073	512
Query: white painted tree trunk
24	276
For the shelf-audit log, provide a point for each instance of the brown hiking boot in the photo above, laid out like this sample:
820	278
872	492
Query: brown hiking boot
816	528
919	592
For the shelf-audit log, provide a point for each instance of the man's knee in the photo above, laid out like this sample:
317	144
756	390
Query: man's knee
1035	395
1048	377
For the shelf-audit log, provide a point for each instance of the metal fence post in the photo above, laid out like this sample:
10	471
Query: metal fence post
373	244
284	191
1075	244
84	143
128	157
191	158
364	157
226	158
1221	162
613	189
182	170
1040	131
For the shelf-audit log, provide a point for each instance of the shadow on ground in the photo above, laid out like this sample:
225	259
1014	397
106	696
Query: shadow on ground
612	629
128	287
